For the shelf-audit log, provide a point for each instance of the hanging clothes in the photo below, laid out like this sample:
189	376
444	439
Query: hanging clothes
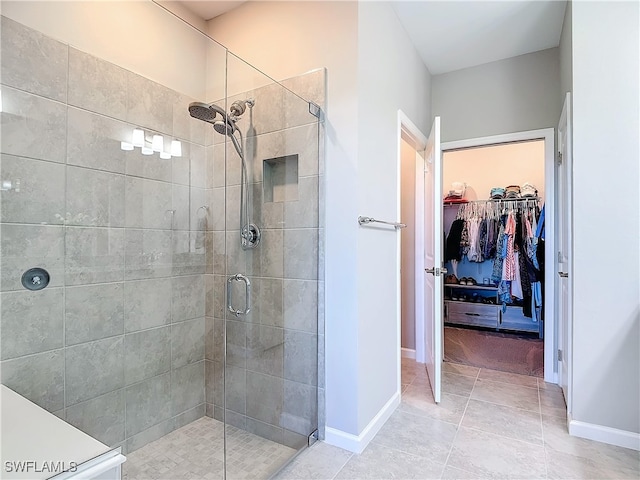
452	244
509	265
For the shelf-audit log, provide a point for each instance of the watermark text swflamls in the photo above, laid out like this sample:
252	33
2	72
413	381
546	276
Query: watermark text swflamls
35	466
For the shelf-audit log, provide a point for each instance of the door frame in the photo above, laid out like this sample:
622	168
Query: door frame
551	274
408	131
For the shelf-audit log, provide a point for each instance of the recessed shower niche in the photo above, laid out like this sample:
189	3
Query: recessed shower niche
280	179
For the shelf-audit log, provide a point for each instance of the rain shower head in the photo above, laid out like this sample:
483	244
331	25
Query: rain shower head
206	112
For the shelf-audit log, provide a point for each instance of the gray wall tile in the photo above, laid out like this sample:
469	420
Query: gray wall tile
234	388
303	211
198	162
236	339
33	126
189	416
179	197
94	198
147	354
187	297
264	430
31	322
301	260
149	104
187	260
265	349
148	254
148	204
303	141
148	403
93	368
147	166
101	417
93	312
32	61
264	397
97	85
267	302
40	198
139	440
300	411
301	305
93	141
39	378
301	357
208	338
147	304
27	246
93	255
272	258
187	387
187	342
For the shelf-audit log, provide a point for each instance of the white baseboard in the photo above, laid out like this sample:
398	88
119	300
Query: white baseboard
408	353
609	435
357	443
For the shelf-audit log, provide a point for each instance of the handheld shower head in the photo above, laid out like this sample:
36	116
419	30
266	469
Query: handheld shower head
225	127
206	112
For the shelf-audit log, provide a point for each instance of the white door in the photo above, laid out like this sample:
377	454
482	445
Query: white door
564	246
433	238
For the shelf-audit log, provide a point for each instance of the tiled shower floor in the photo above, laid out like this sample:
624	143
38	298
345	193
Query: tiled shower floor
195	452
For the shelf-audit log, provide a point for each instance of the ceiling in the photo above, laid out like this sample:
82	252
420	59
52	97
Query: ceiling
451	35
208	9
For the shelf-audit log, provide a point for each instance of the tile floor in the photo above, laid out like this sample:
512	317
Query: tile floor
489	424
195	452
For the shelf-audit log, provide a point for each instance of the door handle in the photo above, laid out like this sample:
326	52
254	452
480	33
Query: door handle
435	271
238	277
563	274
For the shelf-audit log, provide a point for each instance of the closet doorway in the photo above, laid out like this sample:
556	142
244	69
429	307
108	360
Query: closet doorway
493	318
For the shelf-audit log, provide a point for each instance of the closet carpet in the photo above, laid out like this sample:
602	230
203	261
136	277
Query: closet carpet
494	350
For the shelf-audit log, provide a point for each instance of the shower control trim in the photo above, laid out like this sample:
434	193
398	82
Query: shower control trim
250	236
238	277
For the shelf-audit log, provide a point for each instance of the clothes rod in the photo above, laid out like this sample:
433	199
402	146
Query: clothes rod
364	220
495	200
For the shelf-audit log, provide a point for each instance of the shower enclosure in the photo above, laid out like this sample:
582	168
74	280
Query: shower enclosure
167	194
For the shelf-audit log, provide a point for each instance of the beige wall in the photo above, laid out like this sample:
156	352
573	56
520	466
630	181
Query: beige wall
407	216
496	166
512	95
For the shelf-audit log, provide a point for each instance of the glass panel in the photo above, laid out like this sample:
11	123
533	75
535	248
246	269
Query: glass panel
272	351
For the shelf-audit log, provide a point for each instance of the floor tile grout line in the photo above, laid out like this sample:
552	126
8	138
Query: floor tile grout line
507	406
507	438
446	462
544	444
342	467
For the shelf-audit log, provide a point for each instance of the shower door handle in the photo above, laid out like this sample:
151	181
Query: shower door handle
238	277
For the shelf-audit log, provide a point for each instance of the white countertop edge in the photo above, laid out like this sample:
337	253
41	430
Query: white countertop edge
94	467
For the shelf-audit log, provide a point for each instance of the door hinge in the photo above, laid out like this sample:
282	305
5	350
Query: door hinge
559	158
559	355
559	257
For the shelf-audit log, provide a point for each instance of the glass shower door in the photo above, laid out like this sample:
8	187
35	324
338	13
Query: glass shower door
271	244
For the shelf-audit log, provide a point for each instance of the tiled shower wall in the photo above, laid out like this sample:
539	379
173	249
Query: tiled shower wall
272	354
115	344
